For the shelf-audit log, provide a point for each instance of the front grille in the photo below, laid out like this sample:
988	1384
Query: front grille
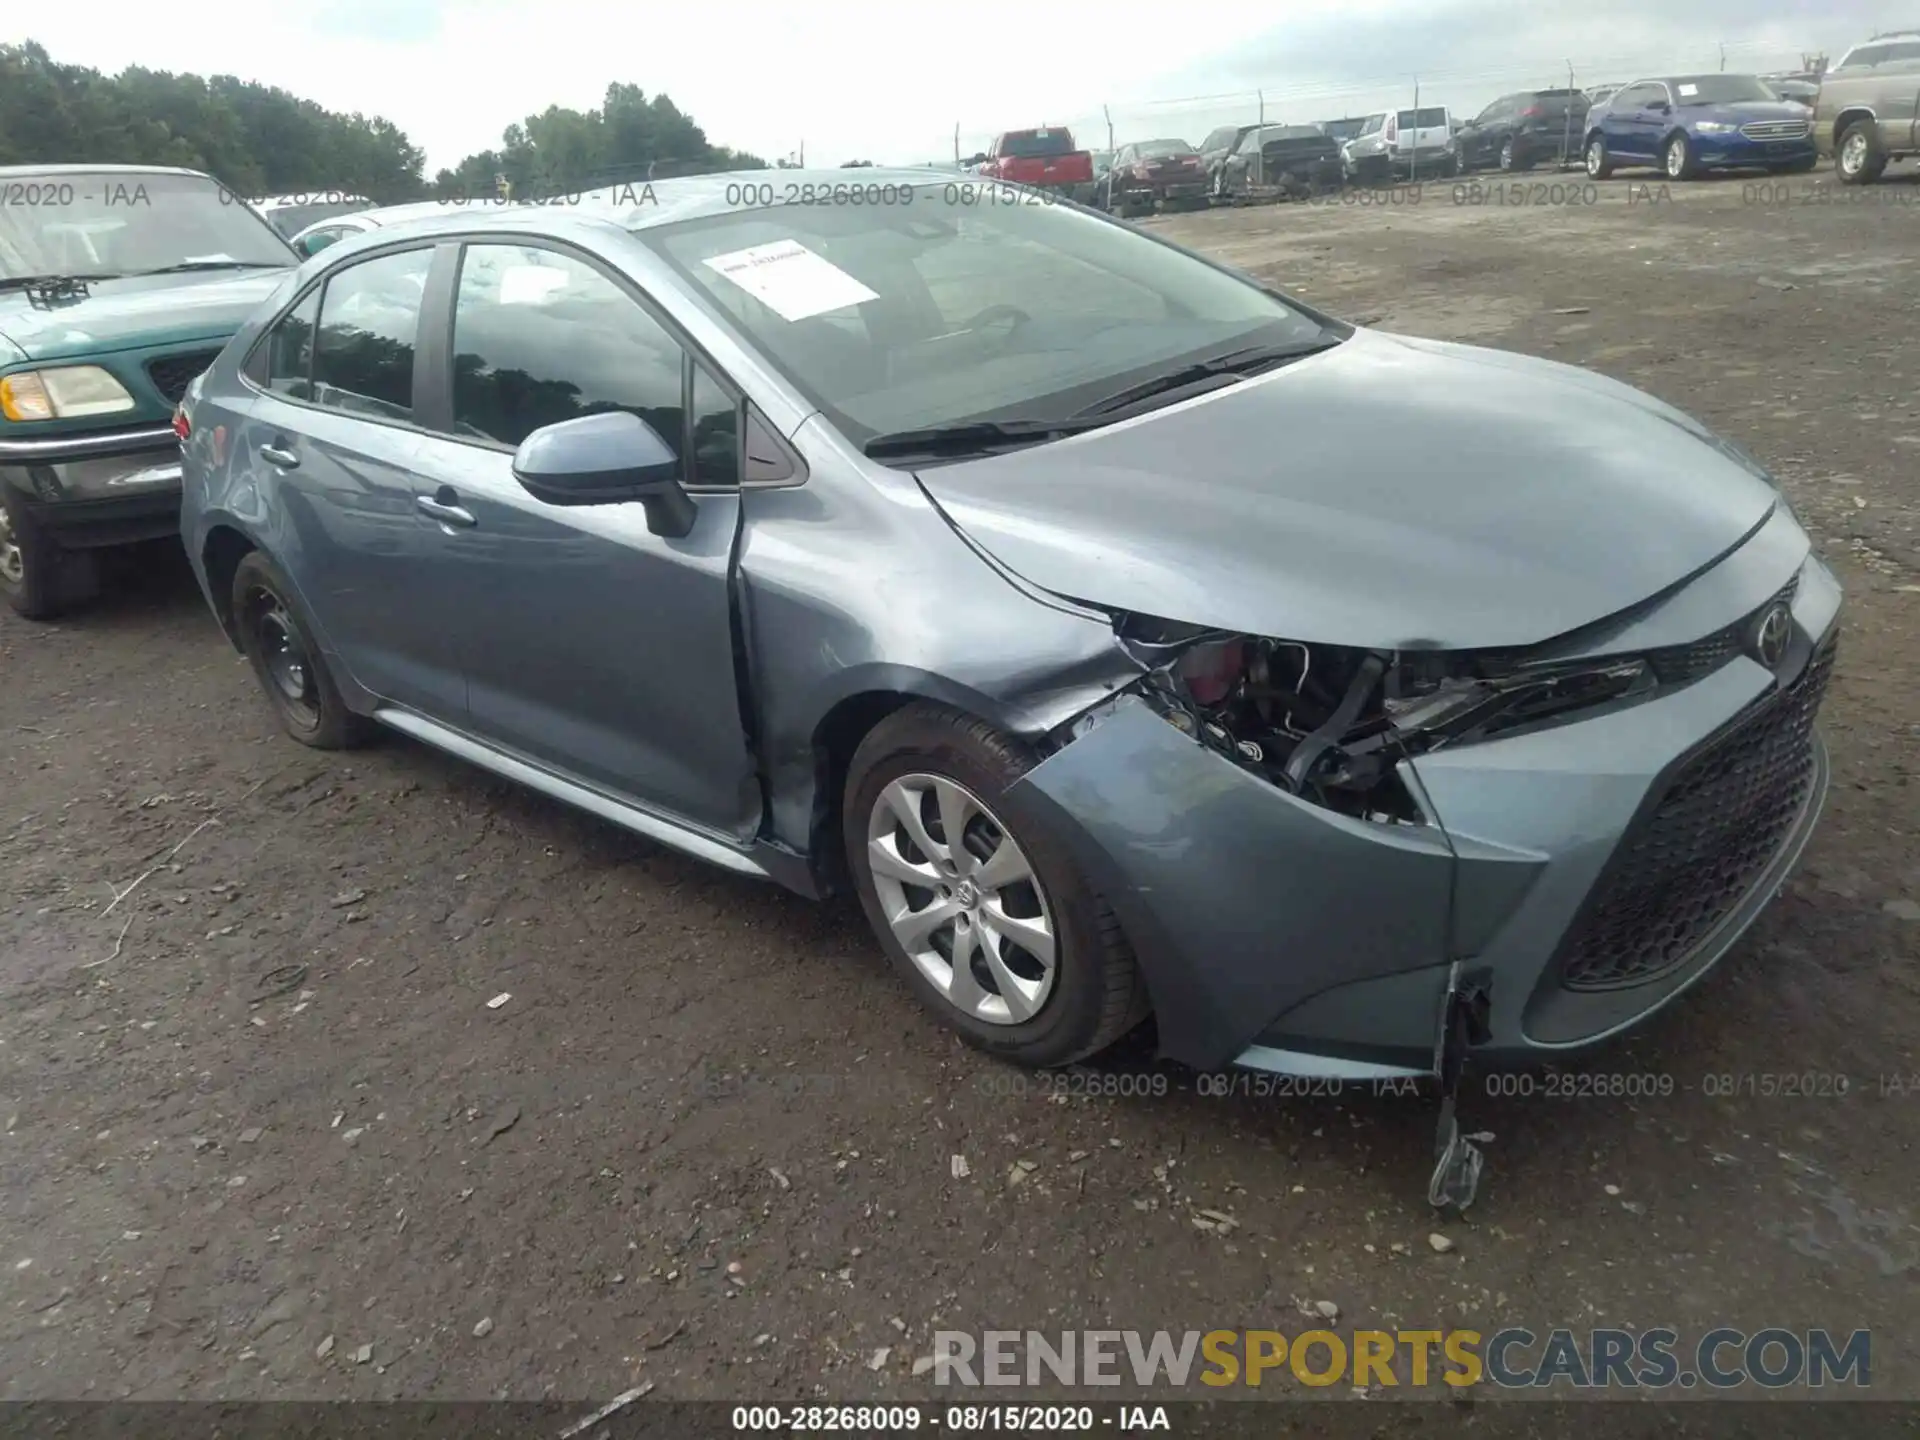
1677	664
171	374
1777	130
1687	864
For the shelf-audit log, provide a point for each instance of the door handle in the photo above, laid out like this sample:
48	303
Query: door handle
278	454
445	509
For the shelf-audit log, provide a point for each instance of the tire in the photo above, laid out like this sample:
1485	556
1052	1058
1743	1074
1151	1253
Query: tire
40	579
1677	160
1599	163
276	636
1092	995
1859	158
1513	159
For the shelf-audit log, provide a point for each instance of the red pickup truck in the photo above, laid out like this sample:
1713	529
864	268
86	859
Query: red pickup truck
1045	159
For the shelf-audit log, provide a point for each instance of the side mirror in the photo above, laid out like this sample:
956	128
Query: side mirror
609	459
314	244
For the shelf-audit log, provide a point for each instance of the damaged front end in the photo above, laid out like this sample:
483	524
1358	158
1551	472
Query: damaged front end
1332	724
1253	808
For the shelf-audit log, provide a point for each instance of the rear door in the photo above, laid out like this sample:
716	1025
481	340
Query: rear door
332	431
1424	131
591	645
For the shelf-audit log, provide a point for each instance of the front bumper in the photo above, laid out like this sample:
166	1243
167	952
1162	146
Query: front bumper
1737	152
106	489
1280	935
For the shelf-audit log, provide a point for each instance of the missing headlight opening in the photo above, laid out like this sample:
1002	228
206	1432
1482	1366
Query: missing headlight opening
1331	723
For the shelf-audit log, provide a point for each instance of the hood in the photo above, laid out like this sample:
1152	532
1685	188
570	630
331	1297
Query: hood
1390	493
135	313
1745	112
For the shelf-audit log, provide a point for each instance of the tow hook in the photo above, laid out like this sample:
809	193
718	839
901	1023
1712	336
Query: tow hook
1458	1157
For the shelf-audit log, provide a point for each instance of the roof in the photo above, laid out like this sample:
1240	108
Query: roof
61	168
641	206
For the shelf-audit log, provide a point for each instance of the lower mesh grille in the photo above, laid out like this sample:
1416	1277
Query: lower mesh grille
1689	862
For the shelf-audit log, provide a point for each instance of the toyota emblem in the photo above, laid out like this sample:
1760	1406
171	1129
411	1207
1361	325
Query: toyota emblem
1770	636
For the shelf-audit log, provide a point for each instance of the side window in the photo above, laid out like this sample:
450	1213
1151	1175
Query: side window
286	363
369	316
539	337
1866	55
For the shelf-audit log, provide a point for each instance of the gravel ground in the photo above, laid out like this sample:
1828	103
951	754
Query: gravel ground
265	1137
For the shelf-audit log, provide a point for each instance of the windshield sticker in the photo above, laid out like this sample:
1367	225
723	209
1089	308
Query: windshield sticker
1689	89
791	280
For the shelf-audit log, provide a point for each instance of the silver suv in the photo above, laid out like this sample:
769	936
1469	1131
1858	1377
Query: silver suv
1868	110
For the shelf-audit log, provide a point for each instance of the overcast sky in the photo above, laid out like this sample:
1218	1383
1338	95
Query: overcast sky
861	80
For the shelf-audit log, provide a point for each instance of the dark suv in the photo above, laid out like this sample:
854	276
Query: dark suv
1518	131
118	285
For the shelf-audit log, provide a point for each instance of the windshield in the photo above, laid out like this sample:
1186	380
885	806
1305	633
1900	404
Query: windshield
123	223
1165	149
1719	89
1036	144
290	220
930	313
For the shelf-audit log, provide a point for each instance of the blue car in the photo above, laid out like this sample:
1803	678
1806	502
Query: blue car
1686	125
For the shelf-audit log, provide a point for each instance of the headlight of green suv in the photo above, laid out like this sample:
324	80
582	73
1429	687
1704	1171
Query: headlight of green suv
64	394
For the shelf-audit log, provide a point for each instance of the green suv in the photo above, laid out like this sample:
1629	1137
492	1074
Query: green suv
118	285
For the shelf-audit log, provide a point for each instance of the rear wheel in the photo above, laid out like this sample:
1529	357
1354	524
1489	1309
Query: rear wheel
1513	158
978	906
287	663
40	579
1858	156
1599	163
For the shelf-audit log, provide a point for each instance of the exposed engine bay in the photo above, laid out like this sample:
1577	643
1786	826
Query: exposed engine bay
1331	723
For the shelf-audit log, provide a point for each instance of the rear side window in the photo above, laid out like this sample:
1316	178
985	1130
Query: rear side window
540	337
369	317
288	366
1432	118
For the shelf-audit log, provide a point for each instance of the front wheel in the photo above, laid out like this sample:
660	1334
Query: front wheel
39	578
1858	156
1599	165
288	664
1679	161
980	909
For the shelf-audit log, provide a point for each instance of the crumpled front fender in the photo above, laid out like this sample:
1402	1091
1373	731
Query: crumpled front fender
1241	901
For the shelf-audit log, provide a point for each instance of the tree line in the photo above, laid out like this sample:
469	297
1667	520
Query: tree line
262	140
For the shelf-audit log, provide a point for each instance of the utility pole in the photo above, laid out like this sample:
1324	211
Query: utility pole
1723	55
956	142
803	154
1566	134
1109	114
1413	169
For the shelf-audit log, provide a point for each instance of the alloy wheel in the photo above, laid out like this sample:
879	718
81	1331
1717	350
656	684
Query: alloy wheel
284	658
1596	157
13	560
1676	158
962	899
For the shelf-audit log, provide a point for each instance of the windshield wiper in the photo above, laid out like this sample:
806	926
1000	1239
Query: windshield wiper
28	282
186	266
1236	362
971	437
